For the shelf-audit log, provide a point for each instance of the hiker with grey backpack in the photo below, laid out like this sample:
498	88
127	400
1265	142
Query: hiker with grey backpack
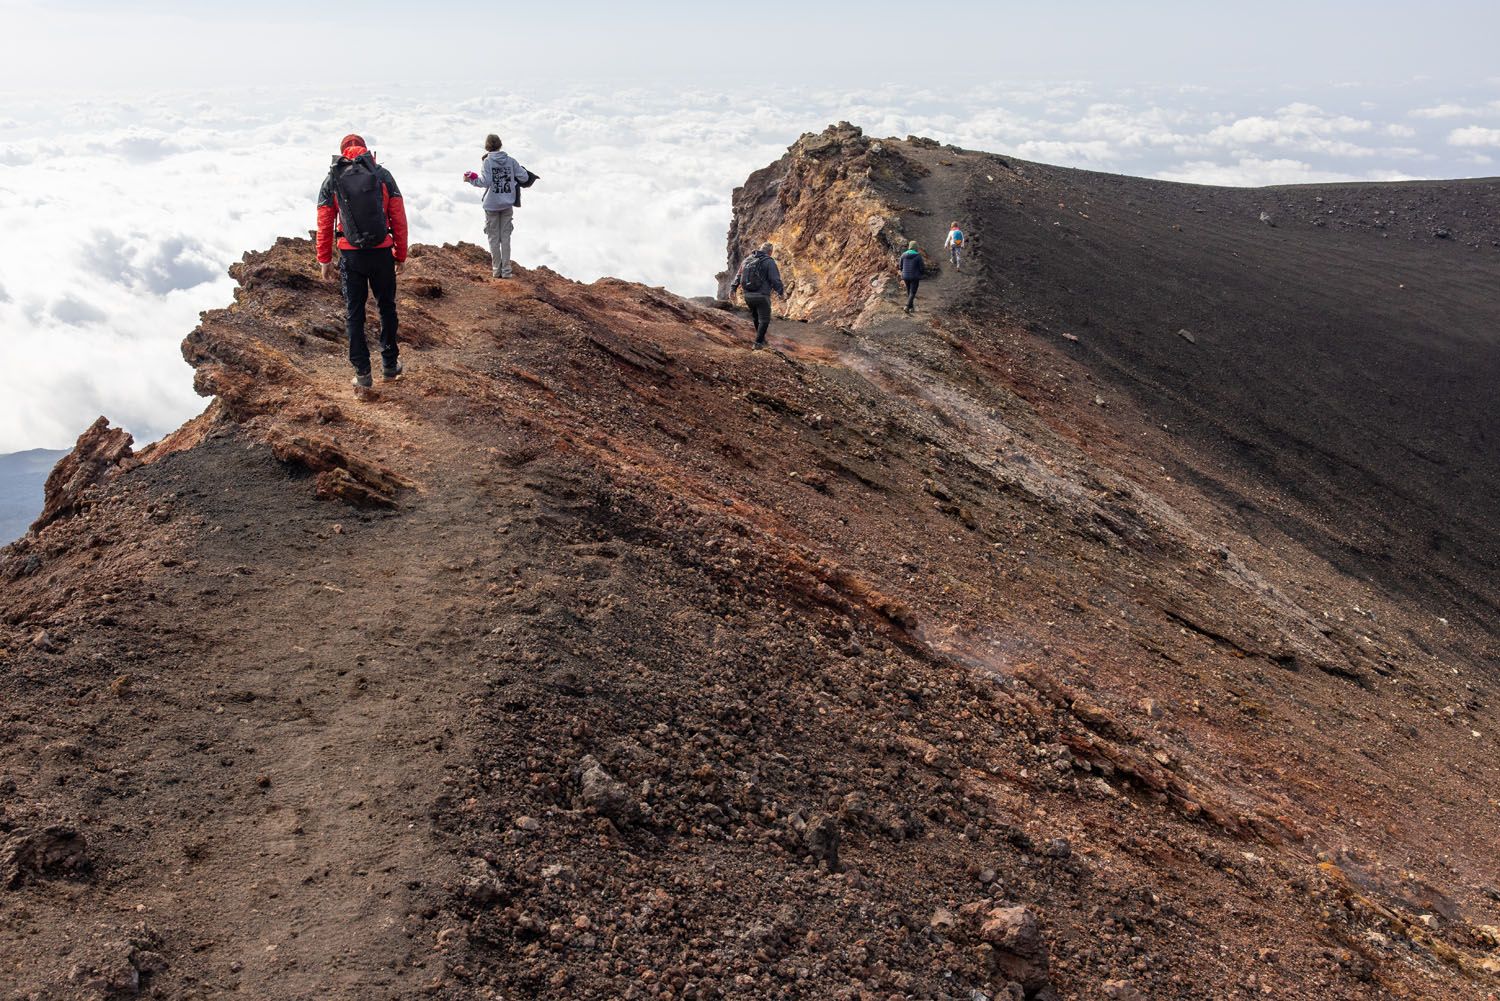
757	278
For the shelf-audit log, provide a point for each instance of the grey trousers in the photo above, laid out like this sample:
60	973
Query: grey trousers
497	226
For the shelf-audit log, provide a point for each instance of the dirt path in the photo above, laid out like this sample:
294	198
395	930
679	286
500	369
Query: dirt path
945	190
335	853
368	666
331	696
320	667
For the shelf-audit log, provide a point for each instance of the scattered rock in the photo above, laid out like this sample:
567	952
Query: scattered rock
118	968
823	841
1058	848
1013	929
111	977
56	850
816	837
602	793
422	288
1187	335
1019	952
479	882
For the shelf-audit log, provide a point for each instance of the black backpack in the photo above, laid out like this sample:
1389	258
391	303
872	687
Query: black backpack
753	278
361	201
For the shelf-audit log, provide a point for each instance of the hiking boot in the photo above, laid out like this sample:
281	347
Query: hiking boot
362	380
392	373
758	346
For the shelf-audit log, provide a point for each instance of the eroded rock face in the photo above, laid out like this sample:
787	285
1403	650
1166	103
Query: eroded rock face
100	454
831	208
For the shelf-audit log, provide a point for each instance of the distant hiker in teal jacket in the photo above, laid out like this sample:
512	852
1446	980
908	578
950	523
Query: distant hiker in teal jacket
955	245
911	273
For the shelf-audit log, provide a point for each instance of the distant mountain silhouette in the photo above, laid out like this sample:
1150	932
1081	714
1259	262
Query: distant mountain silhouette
22	475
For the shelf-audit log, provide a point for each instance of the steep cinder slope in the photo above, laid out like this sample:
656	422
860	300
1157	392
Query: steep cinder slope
601	657
1338	368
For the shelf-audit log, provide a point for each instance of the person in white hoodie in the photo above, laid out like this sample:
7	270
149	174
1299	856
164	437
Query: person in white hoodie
502	179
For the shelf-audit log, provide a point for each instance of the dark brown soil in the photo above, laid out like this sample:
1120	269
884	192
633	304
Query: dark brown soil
901	661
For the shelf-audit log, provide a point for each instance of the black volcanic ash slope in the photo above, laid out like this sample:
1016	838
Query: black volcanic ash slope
1345	357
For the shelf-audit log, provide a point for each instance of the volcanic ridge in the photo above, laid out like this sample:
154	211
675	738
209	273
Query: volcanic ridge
1121	625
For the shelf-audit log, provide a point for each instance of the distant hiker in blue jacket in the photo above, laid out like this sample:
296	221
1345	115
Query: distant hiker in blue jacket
502	179
758	277
955	245
911	273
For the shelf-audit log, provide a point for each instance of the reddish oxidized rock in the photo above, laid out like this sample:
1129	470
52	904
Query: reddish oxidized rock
100	454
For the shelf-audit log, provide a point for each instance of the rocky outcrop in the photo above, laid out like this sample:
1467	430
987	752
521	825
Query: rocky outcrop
100	454
255	359
831	206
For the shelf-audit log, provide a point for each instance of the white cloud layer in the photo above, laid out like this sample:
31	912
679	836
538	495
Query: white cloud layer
1475	135
120	215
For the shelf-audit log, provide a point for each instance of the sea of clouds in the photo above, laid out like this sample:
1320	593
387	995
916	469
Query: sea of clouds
119	216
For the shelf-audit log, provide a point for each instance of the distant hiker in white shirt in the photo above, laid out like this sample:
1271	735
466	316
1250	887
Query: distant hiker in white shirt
955	245
502	179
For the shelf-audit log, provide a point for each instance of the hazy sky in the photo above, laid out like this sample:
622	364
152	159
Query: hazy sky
145	146
84	44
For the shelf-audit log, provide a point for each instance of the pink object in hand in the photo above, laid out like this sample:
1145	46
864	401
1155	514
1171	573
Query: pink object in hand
469	175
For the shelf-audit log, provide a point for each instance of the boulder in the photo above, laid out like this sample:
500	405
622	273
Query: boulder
100	454
603	793
1018	952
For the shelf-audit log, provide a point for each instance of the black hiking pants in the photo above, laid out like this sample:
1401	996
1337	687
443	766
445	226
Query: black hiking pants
362	272
911	292
760	312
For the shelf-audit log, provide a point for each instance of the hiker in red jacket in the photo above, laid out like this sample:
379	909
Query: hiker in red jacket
360	204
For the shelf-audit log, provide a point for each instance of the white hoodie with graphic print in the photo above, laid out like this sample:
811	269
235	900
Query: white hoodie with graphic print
500	176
